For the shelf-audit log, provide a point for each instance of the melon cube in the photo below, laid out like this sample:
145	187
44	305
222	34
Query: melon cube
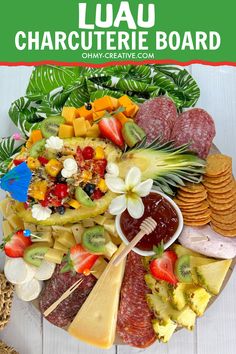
80	127
69	113
66	131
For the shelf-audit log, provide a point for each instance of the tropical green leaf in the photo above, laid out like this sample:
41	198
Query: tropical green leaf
7	150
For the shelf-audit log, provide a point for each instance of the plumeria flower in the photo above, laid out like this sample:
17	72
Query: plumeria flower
131	191
112	170
40	213
17	137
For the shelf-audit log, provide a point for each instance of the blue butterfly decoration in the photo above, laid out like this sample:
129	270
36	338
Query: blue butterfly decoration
17	182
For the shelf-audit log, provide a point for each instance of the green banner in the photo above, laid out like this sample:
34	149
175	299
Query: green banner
105	31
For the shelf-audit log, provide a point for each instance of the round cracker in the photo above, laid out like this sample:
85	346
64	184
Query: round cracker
224	212
226	233
226	195
220	190
197	223
220	206
217	164
224	226
192	200
198	217
209	185
219	179
192	195
182	203
229	218
196	207
195	212
220	201
193	188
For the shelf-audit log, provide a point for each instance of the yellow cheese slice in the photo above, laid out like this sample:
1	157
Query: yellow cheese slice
95	323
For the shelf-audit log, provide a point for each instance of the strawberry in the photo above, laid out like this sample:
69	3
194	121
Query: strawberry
79	157
43	160
111	128
17	162
100	167
15	244
162	265
79	260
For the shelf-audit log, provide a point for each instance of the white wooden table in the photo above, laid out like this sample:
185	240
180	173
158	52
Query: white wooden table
215	333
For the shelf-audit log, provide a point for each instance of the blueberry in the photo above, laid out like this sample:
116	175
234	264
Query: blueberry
60	178
89	188
88	106
61	210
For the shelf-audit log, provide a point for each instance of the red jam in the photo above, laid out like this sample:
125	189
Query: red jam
162	212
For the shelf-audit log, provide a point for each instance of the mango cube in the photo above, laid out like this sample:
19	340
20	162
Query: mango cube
33	163
69	113
54	256
115	103
98	115
93	132
53	167
102	185
103	103
74	204
124	101
38	190
85	113
129	110
80	127
66	131
99	153
122	118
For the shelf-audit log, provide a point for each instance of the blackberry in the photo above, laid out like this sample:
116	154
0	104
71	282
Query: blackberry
89	188
88	106
60	178
61	210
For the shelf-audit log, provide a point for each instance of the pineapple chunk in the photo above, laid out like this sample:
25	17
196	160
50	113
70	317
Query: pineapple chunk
7	229
198	261
160	288
16	222
100	219
80	126
164	331
178	295
88	223
77	231
42	228
59	246
54	256
99	267
198	299
110	249
182	251
67	239
109	226
185	318
45	236
6	207
29	226
211	276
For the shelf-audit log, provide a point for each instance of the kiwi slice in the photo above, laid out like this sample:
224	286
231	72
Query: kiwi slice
94	239
35	253
132	133
82	197
50	126
183	269
38	148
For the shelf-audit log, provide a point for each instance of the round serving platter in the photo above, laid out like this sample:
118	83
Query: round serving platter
118	340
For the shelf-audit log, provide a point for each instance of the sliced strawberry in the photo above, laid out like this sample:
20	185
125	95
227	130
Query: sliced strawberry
79	157
162	266
111	128
100	167
15	244
81	259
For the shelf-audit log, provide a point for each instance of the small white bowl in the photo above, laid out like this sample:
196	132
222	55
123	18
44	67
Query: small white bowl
167	244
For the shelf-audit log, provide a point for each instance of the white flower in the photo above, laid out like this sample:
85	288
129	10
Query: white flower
40	213
70	168
54	143
131	190
112	170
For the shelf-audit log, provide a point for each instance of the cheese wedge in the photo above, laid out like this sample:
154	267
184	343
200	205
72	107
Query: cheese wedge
95	323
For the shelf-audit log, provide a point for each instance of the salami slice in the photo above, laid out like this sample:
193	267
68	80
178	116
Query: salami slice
134	324
56	286
196	127
157	117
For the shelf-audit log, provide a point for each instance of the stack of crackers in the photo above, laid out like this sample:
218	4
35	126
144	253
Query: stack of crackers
192	201
221	191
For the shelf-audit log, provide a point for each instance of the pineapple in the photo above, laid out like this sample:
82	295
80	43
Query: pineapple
185	318
198	299
178	295
112	153
198	261
182	251
167	165
164	331
161	288
211	276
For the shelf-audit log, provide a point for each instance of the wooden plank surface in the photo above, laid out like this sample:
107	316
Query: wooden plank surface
215	332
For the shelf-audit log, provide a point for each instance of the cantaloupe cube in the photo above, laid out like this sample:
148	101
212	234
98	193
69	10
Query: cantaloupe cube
69	113
83	112
124	101
103	103
99	114
66	131
80	127
122	118
36	135
93	132
115	103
